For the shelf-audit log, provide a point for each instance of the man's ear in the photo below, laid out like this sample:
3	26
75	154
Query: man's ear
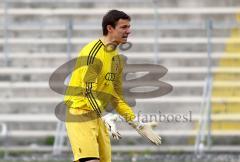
109	28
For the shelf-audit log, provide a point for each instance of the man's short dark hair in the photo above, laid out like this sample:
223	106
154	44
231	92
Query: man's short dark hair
111	18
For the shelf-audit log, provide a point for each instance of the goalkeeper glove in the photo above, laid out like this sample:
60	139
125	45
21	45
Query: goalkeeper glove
110	122
146	130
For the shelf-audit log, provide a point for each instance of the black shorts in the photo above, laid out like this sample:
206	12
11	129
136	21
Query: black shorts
87	159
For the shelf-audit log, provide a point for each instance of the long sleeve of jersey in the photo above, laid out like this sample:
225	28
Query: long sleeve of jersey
81	91
118	100
90	84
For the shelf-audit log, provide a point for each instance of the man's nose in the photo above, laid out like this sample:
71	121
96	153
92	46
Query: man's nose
128	31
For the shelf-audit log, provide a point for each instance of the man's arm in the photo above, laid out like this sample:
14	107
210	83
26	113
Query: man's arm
90	81
118	101
121	106
83	84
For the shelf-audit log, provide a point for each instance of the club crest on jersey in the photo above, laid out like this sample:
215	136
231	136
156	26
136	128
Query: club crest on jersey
110	76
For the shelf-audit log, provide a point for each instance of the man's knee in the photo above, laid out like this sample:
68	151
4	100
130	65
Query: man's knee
93	160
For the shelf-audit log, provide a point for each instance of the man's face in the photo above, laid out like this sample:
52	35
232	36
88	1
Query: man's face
120	33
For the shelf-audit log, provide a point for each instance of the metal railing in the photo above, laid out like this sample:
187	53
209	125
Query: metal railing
59	138
205	120
6	24
3	136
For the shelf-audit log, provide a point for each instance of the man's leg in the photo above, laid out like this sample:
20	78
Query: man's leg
82	136
92	161
104	143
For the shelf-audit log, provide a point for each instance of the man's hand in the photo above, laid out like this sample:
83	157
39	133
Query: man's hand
146	130
110	122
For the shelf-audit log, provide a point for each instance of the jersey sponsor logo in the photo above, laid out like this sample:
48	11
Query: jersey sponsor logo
110	76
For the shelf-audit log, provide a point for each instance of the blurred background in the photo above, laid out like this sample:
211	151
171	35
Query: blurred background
197	41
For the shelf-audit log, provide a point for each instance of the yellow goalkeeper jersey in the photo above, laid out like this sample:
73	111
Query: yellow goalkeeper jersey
96	81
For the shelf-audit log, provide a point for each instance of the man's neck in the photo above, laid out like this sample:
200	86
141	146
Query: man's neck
107	40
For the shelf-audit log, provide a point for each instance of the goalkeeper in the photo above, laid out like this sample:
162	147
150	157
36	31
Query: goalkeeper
98	71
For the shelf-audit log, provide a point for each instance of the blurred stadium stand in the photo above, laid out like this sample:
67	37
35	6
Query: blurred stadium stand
34	42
